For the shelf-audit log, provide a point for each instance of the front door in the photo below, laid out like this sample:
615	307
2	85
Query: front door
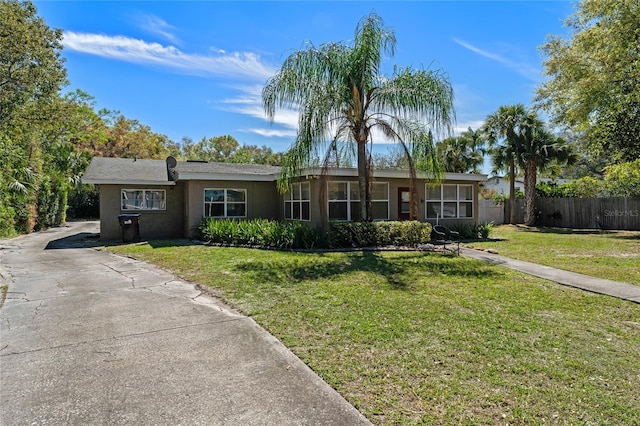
404	207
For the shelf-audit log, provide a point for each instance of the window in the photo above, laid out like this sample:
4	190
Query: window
344	200
225	203
449	202
143	199
380	200
297	202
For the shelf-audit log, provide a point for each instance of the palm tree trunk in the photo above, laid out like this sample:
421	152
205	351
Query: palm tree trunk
530	178
363	173
512	191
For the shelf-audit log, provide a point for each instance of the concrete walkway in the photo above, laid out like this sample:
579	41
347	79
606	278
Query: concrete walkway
87	337
596	285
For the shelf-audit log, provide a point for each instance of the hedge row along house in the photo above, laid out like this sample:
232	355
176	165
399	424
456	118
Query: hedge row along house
172	197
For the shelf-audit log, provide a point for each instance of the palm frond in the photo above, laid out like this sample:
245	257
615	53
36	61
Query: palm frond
425	95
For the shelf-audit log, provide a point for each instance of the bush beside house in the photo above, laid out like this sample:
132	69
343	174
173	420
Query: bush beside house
296	235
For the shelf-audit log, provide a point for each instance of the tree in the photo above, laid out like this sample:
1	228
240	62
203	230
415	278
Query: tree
30	67
538	149
130	138
506	124
218	149
31	75
594	76
528	146
464	153
342	99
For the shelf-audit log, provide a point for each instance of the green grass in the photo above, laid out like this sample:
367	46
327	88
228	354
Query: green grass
416	338
613	255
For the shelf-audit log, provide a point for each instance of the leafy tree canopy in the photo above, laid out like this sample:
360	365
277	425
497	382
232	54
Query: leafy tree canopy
464	153
594	76
30	65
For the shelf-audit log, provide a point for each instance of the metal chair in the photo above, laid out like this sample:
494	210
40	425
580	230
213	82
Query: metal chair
443	236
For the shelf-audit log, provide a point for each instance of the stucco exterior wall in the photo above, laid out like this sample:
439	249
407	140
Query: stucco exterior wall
263	200
153	223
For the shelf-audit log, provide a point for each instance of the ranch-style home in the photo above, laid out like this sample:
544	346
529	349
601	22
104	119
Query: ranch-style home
172	196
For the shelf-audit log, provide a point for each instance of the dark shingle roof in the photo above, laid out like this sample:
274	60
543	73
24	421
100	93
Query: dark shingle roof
154	172
126	170
226	168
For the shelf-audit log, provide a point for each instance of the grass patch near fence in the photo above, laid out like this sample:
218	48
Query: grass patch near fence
418	338
613	255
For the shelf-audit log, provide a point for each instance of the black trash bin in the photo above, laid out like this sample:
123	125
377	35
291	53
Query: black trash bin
130	226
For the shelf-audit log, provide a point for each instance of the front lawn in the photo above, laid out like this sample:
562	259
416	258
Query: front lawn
416	338
613	255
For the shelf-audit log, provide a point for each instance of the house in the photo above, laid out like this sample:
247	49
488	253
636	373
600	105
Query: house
173	196
500	185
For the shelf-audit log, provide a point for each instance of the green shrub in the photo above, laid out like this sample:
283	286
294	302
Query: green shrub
484	229
377	234
258	232
84	202
472	232
7	215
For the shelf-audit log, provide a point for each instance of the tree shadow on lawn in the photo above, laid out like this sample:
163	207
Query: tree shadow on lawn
608	233
568	231
399	272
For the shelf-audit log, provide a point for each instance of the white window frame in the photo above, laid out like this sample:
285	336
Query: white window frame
293	205
225	203
381	200
352	187
143	200
458	201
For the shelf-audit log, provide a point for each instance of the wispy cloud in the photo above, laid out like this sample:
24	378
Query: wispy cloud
235	65
523	68
159	26
464	126
249	102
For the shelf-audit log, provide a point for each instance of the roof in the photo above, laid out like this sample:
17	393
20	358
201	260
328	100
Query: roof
126	171
130	171
188	170
156	172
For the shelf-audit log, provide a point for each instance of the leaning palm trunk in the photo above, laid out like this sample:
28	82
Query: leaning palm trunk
530	178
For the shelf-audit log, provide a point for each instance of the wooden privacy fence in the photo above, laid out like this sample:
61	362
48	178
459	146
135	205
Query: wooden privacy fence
586	213
489	211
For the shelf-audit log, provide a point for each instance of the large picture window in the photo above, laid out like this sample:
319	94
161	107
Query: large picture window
344	201
225	203
297	203
449	202
143	199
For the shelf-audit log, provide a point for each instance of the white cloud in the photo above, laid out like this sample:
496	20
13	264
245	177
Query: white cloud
273	133
523	68
237	64
249	102
160	27
464	126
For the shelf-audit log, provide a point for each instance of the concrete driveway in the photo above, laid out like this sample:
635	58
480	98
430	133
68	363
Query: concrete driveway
91	338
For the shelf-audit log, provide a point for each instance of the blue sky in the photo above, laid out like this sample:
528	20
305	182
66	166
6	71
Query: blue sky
194	69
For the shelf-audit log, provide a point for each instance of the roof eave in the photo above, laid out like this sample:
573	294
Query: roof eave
126	182
392	174
183	176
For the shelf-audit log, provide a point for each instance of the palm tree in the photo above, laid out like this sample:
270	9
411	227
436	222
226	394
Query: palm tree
342	99
506	124
464	153
538	150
